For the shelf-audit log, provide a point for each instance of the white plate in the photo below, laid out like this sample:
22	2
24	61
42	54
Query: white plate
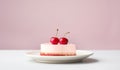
81	54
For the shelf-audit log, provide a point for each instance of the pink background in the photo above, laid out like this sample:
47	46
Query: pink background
94	24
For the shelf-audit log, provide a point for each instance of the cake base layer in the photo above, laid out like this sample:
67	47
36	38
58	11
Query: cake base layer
54	54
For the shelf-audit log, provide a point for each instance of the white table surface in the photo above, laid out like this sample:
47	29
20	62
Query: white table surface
100	60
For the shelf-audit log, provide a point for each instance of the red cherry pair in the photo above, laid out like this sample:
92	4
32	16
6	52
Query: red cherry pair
56	40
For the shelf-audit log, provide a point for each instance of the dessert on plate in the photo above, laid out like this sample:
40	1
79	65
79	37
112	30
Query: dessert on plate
58	47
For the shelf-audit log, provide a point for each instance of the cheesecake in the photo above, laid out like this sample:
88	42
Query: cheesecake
48	49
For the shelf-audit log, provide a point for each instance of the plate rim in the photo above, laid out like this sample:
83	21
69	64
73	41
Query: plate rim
58	59
30	53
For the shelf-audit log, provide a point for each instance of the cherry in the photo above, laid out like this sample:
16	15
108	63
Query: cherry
63	40
54	40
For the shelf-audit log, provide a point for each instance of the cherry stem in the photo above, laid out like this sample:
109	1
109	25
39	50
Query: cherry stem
57	32
66	33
